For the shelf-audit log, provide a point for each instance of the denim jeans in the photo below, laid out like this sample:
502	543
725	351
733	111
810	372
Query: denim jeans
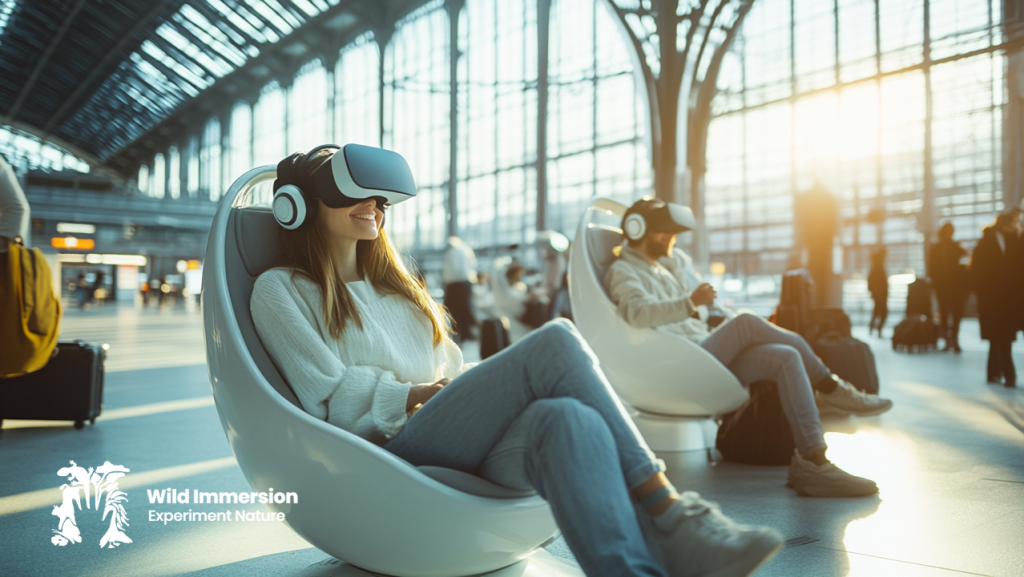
755	350
541	415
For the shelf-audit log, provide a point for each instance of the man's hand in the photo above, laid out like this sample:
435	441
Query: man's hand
419	394
703	295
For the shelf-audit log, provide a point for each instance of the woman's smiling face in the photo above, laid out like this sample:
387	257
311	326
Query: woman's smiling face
359	222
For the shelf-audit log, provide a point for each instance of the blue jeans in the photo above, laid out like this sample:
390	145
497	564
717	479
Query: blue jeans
755	350
541	415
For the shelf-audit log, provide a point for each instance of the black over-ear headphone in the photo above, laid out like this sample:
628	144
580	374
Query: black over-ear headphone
292	207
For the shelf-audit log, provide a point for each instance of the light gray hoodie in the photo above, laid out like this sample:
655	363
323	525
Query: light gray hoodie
650	295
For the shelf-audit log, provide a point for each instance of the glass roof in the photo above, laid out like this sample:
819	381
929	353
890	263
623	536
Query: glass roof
202	42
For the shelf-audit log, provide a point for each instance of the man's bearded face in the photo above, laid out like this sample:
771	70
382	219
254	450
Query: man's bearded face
660	244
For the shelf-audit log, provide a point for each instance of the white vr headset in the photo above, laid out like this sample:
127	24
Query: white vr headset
353	174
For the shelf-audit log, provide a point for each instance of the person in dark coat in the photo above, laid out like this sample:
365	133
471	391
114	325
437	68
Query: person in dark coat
997	270
949	278
878	285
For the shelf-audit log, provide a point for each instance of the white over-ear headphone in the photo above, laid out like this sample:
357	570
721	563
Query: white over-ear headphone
636	227
289	207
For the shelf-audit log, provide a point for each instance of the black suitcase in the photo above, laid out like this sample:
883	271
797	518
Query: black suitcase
757	433
919	298
493	336
798	292
830	321
915	333
851	359
68	388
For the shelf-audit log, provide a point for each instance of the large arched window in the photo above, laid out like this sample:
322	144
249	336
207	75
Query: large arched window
210	160
357	86
850	114
497	138
307	108
173	172
597	124
416	112
159	180
192	166
269	126
241	140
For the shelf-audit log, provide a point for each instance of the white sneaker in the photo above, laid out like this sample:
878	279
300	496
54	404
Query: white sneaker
693	538
849	400
826	410
826	480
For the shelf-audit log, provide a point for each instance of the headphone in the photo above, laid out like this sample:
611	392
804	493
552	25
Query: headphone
293	207
635	226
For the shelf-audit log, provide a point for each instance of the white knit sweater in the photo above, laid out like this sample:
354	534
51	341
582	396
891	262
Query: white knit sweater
361	381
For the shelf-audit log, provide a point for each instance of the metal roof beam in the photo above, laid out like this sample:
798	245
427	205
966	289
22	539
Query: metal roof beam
44	60
111	56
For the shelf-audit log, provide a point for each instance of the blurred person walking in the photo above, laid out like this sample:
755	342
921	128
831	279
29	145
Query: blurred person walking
878	285
997	272
949	277
458	275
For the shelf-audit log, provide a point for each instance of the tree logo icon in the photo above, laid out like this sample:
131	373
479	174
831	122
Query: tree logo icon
95	485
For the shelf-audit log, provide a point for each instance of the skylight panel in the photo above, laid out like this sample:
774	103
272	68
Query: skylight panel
240	19
264	10
213	36
308	7
216	66
175	66
6	9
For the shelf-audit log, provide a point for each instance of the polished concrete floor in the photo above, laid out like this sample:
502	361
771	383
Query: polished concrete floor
949	459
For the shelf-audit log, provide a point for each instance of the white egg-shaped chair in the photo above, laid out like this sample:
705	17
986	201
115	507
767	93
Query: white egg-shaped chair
356	501
675	386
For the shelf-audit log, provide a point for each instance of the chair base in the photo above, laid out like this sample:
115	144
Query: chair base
676	434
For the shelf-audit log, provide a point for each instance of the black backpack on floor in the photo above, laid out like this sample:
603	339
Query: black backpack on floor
757	433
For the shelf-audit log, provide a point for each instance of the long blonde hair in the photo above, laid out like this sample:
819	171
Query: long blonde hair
306	252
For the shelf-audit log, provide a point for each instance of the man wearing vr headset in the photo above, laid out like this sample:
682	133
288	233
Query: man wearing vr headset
365	348
648	284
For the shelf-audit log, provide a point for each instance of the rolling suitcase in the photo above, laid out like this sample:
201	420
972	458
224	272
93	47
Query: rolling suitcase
849	358
798	292
915	333
493	336
68	388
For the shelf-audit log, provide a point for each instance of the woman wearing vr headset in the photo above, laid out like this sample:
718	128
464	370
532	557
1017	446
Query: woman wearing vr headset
365	347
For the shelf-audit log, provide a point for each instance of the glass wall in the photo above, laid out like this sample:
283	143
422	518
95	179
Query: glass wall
819	101
268	126
497	154
416	113
596	121
307	108
25	152
356	90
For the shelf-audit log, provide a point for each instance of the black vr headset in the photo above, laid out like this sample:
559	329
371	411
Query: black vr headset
352	175
651	215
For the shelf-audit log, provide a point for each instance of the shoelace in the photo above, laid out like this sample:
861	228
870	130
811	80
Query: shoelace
708	515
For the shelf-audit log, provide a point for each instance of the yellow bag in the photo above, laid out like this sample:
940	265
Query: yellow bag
29	311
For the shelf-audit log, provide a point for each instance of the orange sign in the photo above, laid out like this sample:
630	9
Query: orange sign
72	243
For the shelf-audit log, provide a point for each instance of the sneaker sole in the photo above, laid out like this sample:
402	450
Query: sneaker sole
872	412
825	494
766	546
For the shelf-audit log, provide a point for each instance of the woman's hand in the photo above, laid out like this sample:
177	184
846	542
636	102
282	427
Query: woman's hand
420	394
